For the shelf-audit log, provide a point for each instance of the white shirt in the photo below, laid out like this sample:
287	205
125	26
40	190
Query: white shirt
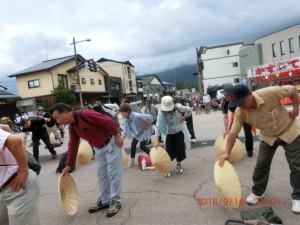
206	98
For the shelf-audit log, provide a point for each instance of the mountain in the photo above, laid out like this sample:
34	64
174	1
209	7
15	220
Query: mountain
182	74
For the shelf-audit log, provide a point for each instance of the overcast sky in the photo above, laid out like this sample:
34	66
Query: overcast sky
153	35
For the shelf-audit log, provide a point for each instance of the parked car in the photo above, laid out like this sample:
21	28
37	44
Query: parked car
220	94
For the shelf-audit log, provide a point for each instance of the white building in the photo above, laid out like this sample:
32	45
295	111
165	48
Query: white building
281	45
221	65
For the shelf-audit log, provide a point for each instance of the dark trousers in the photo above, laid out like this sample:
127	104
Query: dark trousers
248	137
263	165
143	146
175	146
190	126
36	136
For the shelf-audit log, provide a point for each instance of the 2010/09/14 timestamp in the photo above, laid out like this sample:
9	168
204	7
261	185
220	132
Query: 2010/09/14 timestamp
236	201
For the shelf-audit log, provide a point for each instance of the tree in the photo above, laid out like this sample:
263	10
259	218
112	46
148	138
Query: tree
64	95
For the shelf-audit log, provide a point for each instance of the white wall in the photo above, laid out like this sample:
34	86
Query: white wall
219	64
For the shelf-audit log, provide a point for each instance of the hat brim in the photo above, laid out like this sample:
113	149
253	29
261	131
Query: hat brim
68	195
228	184
167	108
236	103
85	153
160	160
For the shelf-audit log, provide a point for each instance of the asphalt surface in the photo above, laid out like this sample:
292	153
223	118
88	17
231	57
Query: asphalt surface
150	198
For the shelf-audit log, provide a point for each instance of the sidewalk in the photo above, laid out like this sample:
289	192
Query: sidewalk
150	198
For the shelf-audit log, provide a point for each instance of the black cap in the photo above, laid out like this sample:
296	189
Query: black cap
237	95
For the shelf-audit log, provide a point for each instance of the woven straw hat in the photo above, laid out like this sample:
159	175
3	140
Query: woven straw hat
237	152
228	185
85	152
160	160
124	158
68	195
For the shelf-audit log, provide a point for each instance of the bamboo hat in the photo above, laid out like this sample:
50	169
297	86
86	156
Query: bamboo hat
160	160
68	195
124	158
228	185
237	152
85	152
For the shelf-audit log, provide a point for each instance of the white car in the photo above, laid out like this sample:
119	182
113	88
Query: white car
220	94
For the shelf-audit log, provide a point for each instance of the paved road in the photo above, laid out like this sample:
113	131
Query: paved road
149	198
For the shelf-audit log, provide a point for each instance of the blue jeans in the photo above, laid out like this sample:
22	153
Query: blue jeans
109	171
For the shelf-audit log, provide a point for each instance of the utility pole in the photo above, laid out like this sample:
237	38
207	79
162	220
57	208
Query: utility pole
200	68
77	71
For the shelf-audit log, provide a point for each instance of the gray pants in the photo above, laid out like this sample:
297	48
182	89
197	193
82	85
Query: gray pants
263	165
21	207
109	171
54	130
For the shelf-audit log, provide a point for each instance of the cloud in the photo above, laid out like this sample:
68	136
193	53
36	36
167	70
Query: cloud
154	35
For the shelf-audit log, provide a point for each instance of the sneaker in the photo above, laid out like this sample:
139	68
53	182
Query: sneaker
98	206
114	207
179	169
250	154
253	199
131	164
54	155
167	174
193	140
296	206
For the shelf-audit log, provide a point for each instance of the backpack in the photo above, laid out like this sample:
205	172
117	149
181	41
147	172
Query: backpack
146	158
63	163
98	109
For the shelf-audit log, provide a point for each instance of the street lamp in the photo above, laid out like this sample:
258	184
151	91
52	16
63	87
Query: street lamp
200	67
77	72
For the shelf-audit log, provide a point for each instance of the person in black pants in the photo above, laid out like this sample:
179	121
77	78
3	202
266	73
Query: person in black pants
227	125
38	128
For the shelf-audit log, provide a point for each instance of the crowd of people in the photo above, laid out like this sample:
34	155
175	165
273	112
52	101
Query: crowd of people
106	134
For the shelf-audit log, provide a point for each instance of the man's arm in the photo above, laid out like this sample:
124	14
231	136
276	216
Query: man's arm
17	149
231	138
225	120
6	128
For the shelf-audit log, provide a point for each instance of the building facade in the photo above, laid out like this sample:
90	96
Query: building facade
126	72
221	65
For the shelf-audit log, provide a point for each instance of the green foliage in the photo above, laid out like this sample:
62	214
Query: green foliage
180	86
64	95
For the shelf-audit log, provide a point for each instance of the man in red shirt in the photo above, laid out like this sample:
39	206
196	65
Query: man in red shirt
103	134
